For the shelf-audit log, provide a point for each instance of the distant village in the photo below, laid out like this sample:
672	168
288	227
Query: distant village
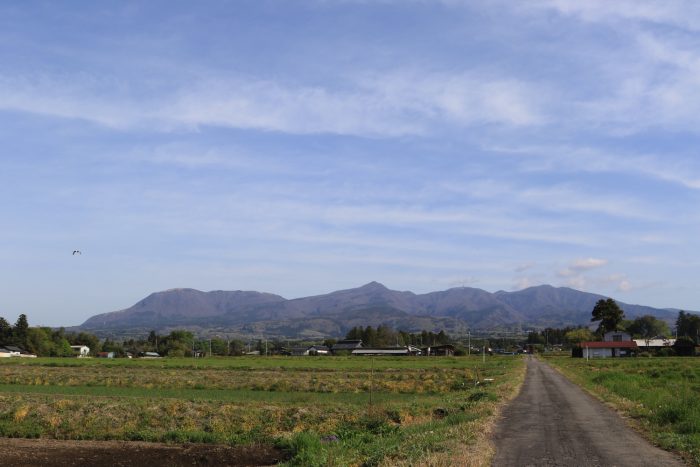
615	337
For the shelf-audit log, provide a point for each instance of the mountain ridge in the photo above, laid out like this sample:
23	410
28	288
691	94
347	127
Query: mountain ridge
454	310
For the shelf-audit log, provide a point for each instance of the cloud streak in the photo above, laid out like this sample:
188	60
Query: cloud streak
551	141
401	103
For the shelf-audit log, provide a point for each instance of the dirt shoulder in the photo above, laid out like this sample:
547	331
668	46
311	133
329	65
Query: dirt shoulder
45	452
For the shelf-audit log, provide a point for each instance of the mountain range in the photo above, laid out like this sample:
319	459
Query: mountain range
455	311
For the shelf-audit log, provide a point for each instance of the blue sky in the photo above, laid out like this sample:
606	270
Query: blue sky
301	147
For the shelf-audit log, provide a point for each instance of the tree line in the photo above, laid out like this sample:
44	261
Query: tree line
384	336
610	317
49	342
43	341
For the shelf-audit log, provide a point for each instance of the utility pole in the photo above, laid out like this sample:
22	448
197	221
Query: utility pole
469	345
371	384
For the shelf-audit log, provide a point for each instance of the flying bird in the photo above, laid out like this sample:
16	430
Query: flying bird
76	252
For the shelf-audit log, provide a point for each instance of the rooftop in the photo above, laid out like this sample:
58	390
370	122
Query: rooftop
610	345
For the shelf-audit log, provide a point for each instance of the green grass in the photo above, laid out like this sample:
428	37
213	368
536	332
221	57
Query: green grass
661	394
316	408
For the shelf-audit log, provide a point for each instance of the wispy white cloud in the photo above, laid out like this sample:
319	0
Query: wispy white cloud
401	103
581	265
516	137
680	13
577	276
462	98
682	170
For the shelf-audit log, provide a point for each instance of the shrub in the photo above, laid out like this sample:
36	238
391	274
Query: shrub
306	449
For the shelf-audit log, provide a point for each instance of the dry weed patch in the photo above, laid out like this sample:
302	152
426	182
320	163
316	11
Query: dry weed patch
402	412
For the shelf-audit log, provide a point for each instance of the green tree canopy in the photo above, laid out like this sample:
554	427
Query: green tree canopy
608	313
647	327
84	338
5	331
19	331
576	336
385	336
688	325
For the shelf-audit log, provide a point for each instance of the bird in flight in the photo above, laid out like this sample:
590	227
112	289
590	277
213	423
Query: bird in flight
76	252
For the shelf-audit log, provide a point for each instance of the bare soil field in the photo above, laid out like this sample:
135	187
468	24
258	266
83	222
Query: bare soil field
45	452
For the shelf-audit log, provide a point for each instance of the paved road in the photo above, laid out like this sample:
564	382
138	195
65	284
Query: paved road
553	422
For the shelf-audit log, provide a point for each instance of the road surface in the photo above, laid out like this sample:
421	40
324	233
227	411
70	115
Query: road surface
552	422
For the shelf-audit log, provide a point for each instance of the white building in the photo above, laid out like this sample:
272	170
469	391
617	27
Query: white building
5	353
655	343
80	351
614	344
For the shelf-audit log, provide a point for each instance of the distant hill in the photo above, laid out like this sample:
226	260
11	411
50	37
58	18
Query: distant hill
454	310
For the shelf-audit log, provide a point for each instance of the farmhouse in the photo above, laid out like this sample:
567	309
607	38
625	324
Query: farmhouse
319	350
305	351
298	351
346	346
387	351
446	350
80	351
17	352
614	344
6	353
656	343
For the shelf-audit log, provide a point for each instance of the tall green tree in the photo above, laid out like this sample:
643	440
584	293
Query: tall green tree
688	325
5	331
20	331
153	339
608	313
647	327
385	336
176	344
576	336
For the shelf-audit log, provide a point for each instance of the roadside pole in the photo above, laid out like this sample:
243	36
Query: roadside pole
371	385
